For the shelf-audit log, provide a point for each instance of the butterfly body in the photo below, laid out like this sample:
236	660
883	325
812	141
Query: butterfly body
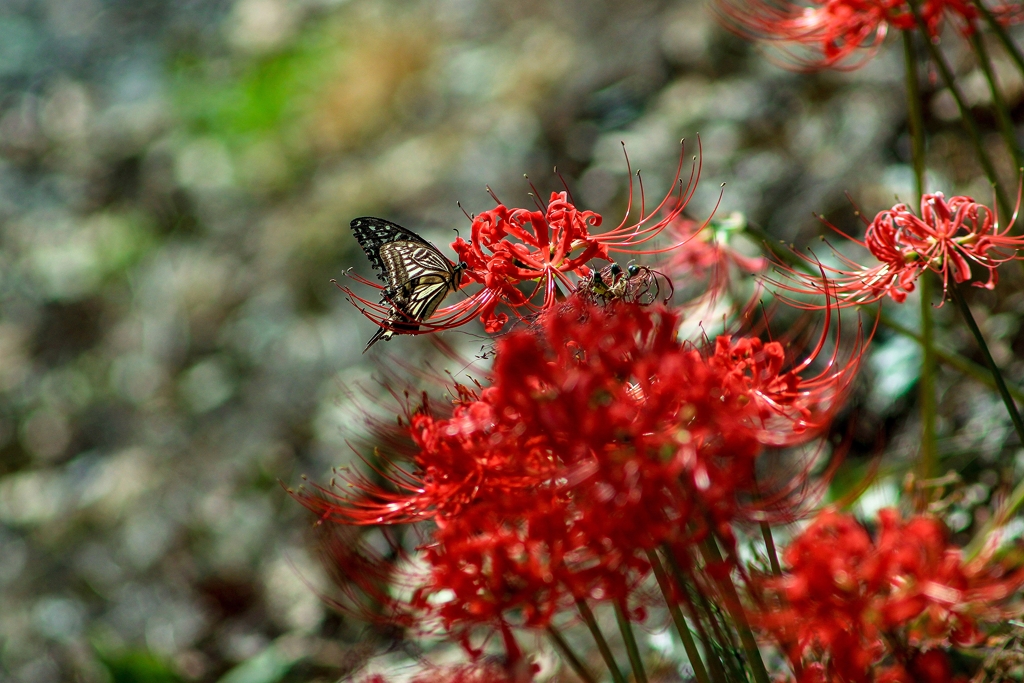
417	276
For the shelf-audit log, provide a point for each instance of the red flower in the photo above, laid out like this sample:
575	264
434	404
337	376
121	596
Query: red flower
815	34
600	436
946	238
849	604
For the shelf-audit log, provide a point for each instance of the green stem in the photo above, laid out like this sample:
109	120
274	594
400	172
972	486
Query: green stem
602	644
1004	37
724	637
570	656
1016	498
715	666
965	112
682	628
769	542
997	375
954	360
926	386
732	602
915	115
999	104
632	650
928	465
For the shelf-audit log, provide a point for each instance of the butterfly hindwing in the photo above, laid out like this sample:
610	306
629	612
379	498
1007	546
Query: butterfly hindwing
425	297
405	262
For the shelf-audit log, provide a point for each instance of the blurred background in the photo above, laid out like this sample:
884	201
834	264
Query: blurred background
176	182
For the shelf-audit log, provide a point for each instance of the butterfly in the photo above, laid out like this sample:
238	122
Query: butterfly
416	275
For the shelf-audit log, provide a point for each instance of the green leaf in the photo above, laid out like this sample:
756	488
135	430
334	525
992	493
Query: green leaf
138	666
269	666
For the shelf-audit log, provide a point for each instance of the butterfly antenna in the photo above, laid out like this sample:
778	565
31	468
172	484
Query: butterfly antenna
464	213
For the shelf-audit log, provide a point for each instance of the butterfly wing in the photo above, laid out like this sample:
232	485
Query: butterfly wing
417	275
418	303
406	262
413	303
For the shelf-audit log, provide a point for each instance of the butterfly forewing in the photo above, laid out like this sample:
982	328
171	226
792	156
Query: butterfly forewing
373	233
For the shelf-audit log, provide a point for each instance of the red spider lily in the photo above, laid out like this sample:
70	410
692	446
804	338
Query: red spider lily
526	260
599	437
815	34
849	606
947	238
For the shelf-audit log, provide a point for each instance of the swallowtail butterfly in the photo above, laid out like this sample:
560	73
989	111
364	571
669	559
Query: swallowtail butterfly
417	277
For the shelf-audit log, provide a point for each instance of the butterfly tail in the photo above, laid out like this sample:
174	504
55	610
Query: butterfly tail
382	333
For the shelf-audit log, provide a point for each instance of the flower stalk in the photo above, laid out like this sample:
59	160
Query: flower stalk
682	628
632	650
769	543
712	555
1001	33
970	125
570	656
1006	128
927	464
997	375
599	639
703	618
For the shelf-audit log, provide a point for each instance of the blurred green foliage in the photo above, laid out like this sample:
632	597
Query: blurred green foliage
138	666
255	96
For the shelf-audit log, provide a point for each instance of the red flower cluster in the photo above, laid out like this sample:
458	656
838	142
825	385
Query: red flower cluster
816	34
600	436
946	238
852	609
